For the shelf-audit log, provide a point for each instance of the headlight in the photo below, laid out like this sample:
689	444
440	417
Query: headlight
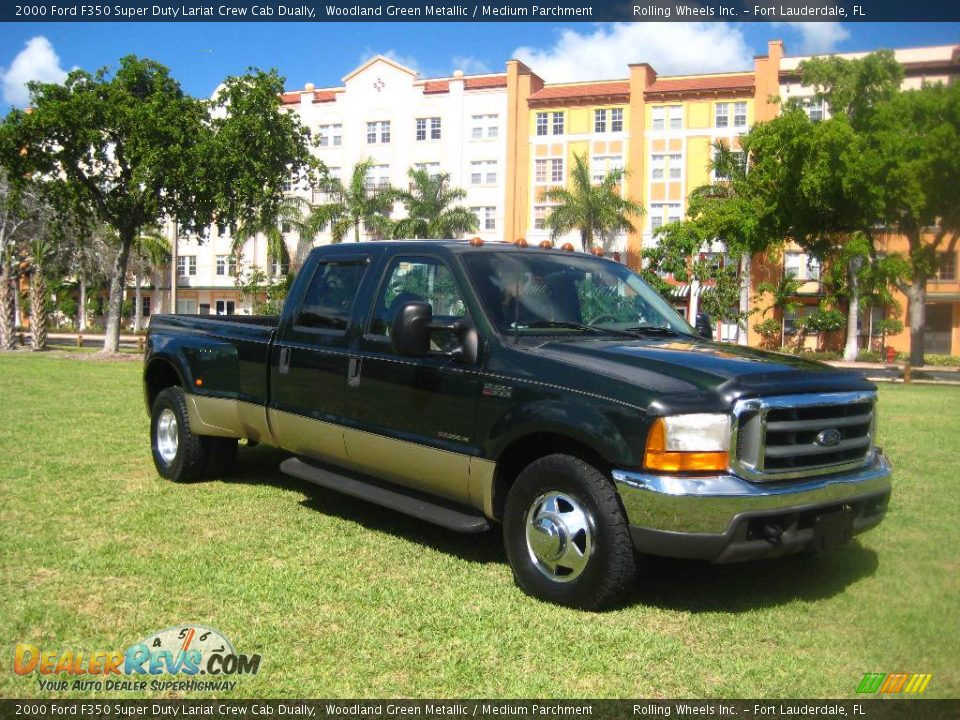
695	442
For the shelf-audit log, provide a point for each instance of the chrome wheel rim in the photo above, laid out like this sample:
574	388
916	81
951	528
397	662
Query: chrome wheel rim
167	437
559	536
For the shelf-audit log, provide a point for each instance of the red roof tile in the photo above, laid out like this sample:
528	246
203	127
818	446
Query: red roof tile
482	83
436	86
319	96
586	90
722	82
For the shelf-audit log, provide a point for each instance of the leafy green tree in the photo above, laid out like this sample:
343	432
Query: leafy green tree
131	148
431	209
598	211
288	214
151	252
352	205
783	299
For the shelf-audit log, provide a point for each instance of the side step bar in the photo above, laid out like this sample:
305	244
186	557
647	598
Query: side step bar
406	502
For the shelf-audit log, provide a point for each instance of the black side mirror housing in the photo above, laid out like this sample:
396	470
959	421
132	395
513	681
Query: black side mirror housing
410	334
704	326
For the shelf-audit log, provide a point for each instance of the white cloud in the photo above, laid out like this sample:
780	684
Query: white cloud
470	65
37	61
818	37
671	48
405	60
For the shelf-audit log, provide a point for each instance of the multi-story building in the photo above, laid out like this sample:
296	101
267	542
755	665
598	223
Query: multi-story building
386	113
505	137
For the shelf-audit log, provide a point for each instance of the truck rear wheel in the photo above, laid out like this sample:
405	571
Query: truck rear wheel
179	454
566	535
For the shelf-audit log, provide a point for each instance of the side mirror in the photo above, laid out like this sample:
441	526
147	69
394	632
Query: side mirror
704	326
410	333
411	330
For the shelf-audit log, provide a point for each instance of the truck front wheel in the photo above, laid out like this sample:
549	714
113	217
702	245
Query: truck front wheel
178	453
566	535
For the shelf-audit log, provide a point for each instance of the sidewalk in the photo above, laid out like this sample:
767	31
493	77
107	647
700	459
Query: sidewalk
893	372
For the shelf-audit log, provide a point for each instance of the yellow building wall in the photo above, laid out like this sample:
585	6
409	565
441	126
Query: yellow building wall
698	115
698	156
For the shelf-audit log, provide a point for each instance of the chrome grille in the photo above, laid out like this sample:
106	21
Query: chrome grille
793	436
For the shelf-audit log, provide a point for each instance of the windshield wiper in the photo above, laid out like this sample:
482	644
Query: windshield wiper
655	330
576	326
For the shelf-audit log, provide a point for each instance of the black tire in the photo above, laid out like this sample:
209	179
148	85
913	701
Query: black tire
190	460
599	532
221	456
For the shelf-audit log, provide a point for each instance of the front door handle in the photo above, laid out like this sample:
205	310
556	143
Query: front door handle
285	360
353	372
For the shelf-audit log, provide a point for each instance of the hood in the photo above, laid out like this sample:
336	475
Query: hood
694	368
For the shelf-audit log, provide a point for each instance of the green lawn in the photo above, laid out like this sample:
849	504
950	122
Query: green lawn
343	599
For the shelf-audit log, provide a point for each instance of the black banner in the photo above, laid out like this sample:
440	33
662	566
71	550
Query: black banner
866	709
472	11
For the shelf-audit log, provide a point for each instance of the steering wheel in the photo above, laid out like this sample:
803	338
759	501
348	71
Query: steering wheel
602	318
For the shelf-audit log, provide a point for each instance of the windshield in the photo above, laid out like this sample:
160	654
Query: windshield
534	293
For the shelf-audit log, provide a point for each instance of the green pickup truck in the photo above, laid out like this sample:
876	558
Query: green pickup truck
551	392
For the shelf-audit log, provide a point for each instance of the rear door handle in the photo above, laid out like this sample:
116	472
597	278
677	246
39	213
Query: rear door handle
285	353
353	372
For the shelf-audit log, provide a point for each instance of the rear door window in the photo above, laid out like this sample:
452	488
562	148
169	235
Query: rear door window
329	298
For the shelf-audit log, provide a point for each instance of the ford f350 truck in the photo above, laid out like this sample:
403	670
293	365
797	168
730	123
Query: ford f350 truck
550	392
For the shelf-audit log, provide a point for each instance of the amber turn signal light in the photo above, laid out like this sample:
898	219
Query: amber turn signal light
657	457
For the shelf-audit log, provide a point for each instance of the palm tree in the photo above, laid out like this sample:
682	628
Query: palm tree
289	212
597	210
431	212
39	251
352	205
783	299
150	252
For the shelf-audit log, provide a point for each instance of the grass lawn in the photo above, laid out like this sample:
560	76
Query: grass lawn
343	599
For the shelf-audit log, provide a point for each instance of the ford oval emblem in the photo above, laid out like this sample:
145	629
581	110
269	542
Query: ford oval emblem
829	437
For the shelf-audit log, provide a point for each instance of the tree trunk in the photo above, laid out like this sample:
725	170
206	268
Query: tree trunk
917	296
853	311
7	341
137	305
111	339
82	319
742	322
38	310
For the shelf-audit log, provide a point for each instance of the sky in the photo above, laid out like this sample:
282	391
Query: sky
201	55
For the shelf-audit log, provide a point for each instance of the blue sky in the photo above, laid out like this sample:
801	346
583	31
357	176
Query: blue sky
200	55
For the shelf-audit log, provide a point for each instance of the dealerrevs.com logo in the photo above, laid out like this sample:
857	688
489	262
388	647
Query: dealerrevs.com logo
186	651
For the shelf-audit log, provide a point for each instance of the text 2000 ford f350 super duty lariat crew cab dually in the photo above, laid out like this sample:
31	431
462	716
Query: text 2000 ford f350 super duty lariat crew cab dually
552	392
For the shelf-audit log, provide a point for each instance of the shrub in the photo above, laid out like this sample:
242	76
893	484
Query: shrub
822	321
821	355
942	360
869	356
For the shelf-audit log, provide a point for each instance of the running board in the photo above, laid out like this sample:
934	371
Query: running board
408	503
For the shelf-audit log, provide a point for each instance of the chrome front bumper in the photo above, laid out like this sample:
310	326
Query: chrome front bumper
725	518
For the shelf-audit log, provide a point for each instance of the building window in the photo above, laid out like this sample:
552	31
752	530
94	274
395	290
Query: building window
378	131
278	268
657	166
616	120
814	109
225	307
225	265
428	129
486	217
483	172
540	213
673	212
676	167
600	165
331	135
722	115
600	121
186	265
378	176
432	169
550	123
145	306
740	114
800	266
485	126
287	184
739	157
676	116
946	266
659	115
548	170
557	122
